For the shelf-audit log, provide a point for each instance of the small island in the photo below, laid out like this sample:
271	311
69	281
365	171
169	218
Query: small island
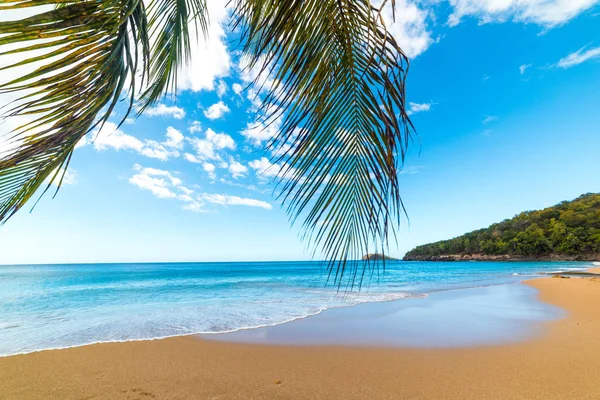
378	257
568	231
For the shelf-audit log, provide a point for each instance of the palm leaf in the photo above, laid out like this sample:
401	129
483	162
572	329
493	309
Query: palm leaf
339	81
170	30
338	87
90	53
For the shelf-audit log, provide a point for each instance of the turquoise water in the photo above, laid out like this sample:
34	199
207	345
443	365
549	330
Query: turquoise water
58	306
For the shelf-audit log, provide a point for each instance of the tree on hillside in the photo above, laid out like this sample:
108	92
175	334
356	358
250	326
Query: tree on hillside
570	228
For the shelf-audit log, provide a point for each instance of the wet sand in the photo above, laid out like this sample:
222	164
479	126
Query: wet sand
563	362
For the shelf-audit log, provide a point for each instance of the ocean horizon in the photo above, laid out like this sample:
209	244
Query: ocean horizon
66	305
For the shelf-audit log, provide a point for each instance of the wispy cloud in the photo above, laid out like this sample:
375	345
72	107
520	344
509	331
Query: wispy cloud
237	88
166	111
488	119
227	200
260	132
165	185
411	170
162	184
237	170
578	57
547	13
264	168
111	137
418	107
69	177
523	68
221	88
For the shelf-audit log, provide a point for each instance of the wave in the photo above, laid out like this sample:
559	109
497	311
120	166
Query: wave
100	307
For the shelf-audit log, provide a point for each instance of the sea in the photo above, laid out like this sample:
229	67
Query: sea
66	305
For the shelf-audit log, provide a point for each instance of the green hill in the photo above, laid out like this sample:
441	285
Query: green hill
377	257
568	231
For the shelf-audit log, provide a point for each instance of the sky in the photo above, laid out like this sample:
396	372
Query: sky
504	95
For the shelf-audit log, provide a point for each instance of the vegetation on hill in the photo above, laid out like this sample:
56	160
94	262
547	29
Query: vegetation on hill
377	257
568	230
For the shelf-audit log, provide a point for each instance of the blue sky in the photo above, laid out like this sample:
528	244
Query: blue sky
504	96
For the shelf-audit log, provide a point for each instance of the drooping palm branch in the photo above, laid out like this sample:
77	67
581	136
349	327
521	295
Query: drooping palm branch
338	90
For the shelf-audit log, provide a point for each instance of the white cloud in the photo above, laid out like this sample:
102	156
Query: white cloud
221	88
236	169
210	168
216	111
111	137
174	138
164	110
210	58
255	74
547	13
162	184
409	27
192	158
418	107
411	170
165	185
264	168
237	88
488	119
210	147
260	132
69	177
194	206
195	127
578	57
226	200
157	186
523	68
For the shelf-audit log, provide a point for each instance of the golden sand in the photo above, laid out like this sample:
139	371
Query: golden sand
564	363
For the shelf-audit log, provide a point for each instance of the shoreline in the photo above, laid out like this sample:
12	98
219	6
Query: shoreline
415	322
210	335
561	363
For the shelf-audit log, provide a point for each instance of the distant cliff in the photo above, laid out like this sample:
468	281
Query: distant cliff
377	257
568	231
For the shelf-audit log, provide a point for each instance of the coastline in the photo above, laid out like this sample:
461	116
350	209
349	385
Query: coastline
505	257
560	363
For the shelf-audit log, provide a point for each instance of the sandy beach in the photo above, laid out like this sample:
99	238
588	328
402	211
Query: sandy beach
561	363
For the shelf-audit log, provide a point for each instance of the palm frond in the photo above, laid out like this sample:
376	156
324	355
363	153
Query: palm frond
88	54
171	33
339	89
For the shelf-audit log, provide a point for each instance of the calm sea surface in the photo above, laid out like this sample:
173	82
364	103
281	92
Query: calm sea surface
57	306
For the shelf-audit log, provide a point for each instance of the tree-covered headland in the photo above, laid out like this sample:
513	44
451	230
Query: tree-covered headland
569	230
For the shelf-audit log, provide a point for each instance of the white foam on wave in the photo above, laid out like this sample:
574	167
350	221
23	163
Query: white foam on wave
198	324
